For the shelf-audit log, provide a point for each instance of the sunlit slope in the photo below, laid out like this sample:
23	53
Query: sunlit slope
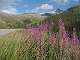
18	21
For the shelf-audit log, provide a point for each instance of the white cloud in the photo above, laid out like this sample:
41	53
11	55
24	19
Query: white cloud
5	3
59	1
10	10
63	1
43	8
5	6
52	12
46	6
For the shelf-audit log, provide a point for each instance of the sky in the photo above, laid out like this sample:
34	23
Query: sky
35	6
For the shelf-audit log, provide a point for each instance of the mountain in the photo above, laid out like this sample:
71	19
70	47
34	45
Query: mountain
59	11
47	14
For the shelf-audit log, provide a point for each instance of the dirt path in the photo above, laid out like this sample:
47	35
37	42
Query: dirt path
6	31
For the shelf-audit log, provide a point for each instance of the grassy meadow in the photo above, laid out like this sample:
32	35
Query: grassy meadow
20	45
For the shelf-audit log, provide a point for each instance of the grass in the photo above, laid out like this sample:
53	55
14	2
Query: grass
14	47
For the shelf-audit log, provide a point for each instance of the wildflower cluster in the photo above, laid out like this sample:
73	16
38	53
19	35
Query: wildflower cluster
39	31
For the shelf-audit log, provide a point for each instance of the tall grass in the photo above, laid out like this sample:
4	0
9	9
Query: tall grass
39	43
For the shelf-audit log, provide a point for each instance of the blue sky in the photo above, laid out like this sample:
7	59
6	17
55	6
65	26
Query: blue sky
35	6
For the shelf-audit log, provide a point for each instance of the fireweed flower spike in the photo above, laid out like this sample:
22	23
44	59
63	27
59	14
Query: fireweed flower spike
36	32
63	34
52	39
75	41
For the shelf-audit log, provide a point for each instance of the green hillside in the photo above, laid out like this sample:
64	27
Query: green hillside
18	21
71	18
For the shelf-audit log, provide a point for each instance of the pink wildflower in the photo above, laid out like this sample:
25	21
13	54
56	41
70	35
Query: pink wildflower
63	34
44	27
36	32
75	41
52	39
